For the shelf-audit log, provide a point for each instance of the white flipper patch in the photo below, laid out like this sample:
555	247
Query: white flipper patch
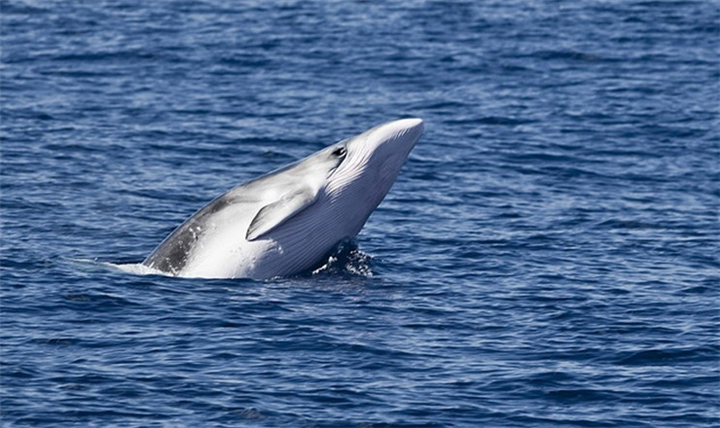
275	214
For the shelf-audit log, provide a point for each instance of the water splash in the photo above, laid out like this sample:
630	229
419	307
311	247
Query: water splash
346	259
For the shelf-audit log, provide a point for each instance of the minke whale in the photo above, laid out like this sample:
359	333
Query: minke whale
287	221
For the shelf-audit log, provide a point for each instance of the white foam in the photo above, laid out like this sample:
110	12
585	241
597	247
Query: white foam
135	268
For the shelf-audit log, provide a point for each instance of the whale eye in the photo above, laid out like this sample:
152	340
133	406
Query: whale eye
340	152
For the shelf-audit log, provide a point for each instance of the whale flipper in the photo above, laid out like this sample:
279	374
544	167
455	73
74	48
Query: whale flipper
275	214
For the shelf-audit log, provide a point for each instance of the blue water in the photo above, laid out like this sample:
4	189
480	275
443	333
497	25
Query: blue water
547	258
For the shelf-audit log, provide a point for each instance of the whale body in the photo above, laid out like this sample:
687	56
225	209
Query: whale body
287	221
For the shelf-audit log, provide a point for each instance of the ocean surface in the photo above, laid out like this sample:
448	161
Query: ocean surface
548	257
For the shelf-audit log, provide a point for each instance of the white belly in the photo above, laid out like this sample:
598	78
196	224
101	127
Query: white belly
298	245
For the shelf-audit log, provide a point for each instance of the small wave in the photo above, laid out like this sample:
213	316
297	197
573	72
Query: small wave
133	268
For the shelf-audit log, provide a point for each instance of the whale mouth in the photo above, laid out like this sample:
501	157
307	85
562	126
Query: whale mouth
410	129
414	123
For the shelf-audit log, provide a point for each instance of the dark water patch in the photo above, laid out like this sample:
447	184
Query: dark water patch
670	356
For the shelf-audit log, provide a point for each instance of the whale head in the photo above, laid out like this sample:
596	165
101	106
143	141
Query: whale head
370	163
